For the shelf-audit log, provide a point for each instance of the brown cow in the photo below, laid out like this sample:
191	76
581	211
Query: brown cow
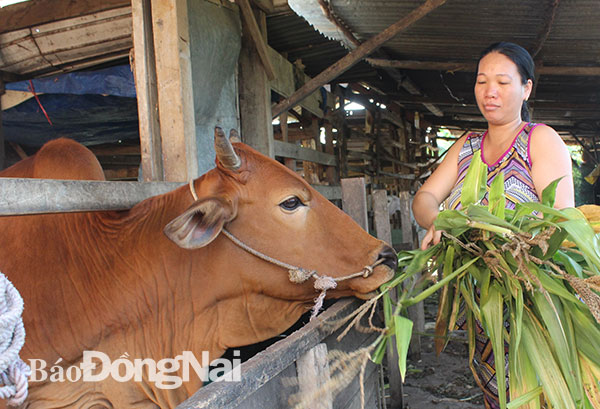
113	282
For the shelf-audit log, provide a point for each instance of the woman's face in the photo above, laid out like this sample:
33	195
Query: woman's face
499	90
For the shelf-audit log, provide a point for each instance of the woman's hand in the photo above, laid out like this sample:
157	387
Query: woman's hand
432	237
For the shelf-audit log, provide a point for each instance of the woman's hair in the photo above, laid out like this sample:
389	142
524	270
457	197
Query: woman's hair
521	58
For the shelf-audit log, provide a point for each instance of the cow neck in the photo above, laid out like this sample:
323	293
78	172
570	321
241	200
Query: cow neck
297	275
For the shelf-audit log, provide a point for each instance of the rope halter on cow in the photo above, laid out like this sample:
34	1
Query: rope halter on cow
13	371
297	274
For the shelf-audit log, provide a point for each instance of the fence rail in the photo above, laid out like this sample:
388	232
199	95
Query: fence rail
36	196
277	361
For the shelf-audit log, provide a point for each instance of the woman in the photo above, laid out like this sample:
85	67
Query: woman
529	155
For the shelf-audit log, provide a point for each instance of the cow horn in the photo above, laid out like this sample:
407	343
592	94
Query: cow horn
234	136
225	152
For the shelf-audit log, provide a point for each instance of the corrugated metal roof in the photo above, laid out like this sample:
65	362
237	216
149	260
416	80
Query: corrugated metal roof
457	32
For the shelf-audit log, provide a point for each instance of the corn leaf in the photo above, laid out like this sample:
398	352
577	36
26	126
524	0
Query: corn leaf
591	376
379	352
584	236
544	364
481	214
549	193
496	199
493	322
475	181
524	385
444	305
562	338
403	330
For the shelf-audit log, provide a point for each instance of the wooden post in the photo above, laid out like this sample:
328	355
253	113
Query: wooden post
175	99
330	173
416	313
255	95
289	162
2	151
147	91
313	373
382	227
257	37
354	200
381	215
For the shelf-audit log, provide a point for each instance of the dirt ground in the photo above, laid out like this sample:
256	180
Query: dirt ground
443	382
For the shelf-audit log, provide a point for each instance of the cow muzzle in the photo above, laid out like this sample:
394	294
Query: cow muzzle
389	257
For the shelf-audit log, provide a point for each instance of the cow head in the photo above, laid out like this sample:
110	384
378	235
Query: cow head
274	211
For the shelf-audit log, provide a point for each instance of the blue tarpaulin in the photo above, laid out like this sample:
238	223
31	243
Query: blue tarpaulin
91	107
116	81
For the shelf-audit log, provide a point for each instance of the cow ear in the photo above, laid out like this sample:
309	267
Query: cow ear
200	224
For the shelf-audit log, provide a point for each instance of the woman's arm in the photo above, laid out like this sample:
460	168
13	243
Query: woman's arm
434	191
550	160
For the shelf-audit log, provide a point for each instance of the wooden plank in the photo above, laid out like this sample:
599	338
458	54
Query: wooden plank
288	150
254	97
354	200
32	13
174	81
355	56
416	313
313	374
266	365
384	232
36	196
124	150
59	43
257	38
147	91
329	191
381	215
274	394
285	84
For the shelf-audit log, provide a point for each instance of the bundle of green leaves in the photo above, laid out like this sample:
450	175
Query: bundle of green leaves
511	266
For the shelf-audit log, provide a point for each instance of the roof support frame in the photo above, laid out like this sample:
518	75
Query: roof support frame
355	56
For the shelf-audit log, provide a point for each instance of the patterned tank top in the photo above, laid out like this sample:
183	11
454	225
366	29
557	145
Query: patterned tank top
515	164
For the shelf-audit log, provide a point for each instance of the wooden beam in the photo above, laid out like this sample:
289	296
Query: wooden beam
254	96
593	71
355	56
174	80
330	192
16	147
60	196
422	65
36	12
257	37
127	150
147	91
288	150
264	5
548	22
330	172
288	77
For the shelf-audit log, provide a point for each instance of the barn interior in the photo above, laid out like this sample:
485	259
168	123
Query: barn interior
334	89
68	69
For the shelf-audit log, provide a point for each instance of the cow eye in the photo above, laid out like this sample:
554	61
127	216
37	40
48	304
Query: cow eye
291	204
